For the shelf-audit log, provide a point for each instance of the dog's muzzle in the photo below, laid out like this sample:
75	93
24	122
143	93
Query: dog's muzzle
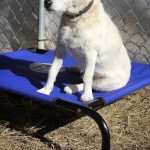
48	4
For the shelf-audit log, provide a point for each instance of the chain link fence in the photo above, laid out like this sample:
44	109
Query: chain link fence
19	25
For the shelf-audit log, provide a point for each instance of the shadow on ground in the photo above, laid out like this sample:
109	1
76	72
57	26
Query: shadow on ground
23	115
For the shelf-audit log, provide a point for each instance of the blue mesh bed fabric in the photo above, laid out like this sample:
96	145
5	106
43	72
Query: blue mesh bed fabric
20	73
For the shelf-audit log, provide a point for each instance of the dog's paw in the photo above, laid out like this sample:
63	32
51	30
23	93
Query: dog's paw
71	89
68	90
44	90
86	97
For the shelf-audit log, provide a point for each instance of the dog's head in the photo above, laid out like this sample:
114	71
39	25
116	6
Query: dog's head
70	6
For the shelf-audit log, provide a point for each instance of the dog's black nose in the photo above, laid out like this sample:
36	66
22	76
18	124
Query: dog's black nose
48	4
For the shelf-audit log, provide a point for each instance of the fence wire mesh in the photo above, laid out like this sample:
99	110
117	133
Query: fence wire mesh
19	24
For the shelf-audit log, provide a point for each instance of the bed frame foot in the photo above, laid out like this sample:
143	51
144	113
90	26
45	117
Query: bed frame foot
85	110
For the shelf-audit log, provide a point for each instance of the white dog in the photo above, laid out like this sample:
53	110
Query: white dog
88	34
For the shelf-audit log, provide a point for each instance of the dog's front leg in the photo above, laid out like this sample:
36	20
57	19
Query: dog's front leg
88	76
59	55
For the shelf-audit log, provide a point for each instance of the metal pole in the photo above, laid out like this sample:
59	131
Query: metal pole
41	30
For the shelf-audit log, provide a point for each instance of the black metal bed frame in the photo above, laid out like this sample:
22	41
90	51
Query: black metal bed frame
90	111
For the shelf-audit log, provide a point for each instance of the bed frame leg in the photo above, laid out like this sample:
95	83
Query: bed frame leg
83	110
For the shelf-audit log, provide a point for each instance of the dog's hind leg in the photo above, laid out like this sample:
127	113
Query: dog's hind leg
108	83
73	88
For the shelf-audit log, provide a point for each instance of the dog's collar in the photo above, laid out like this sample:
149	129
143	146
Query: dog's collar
80	12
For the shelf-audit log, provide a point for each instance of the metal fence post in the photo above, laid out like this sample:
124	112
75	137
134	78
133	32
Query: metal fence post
41	29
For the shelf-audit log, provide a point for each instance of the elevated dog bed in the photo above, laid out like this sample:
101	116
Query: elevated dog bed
23	72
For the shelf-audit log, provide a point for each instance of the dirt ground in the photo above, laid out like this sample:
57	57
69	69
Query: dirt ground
27	125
